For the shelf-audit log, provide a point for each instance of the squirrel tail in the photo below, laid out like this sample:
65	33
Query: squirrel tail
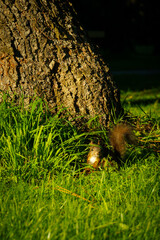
119	136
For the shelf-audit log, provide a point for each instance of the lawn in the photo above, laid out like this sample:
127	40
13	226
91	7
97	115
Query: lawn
44	193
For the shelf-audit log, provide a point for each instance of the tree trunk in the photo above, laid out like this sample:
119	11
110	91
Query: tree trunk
44	51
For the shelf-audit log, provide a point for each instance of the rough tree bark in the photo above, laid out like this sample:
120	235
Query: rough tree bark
44	51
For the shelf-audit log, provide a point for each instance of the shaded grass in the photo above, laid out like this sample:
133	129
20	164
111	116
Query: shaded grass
142	102
42	197
131	60
134	82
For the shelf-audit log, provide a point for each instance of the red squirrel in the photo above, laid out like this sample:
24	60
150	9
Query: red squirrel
119	136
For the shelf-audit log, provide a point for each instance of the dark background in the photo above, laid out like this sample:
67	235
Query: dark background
127	33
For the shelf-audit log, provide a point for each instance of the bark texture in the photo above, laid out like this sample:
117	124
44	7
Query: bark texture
44	51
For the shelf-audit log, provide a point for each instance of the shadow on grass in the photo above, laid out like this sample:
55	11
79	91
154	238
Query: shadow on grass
138	82
143	102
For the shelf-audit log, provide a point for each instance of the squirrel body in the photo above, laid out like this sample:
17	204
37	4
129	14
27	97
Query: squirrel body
119	136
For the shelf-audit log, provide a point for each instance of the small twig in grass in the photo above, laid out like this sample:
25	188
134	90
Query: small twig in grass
152	141
61	189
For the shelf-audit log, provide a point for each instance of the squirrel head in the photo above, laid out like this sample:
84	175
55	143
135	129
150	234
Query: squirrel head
94	155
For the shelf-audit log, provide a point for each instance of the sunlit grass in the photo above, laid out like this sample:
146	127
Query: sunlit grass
43	195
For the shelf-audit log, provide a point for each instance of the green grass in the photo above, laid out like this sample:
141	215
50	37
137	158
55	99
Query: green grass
44	196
